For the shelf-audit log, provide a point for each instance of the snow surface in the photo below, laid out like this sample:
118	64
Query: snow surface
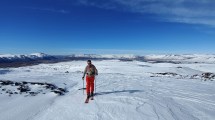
125	91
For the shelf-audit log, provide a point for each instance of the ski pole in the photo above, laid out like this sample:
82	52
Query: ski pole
95	85
83	87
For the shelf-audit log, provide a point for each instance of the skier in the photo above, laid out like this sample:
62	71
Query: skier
90	72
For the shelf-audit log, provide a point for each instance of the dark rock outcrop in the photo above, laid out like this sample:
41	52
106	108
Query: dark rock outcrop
25	88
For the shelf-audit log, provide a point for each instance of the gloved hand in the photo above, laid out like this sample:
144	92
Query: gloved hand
82	78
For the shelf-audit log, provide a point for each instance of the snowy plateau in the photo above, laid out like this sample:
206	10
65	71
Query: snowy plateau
128	87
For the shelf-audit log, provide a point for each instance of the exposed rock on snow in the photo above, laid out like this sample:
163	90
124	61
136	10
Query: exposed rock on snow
29	88
208	75
204	76
166	74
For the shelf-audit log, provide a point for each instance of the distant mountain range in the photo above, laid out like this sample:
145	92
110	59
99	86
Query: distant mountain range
34	56
8	60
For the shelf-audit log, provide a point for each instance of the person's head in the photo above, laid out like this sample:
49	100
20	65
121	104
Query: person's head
89	62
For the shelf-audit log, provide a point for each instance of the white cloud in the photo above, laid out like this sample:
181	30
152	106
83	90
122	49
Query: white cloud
184	11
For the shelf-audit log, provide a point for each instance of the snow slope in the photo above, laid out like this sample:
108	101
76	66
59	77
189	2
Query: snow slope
124	91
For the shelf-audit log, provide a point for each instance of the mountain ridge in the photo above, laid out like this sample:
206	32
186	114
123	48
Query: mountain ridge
10	60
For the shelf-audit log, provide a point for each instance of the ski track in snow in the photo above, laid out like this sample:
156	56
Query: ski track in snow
124	91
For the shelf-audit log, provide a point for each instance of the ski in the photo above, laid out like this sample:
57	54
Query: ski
91	98
87	100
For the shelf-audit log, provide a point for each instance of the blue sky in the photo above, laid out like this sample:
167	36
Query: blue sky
107	26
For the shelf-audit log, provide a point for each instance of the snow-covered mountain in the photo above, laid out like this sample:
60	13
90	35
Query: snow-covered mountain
107	56
172	58
93	56
31	56
9	60
38	55
186	58
165	58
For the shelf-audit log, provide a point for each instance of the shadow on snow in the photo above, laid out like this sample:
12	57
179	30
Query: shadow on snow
121	91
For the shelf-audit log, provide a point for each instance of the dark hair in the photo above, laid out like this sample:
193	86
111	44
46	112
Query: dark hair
88	60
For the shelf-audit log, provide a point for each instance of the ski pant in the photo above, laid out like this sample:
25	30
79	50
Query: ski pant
90	84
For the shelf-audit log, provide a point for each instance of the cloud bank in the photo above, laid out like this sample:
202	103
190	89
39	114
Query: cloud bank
181	11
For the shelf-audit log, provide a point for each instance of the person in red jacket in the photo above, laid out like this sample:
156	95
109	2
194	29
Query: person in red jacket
90	72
